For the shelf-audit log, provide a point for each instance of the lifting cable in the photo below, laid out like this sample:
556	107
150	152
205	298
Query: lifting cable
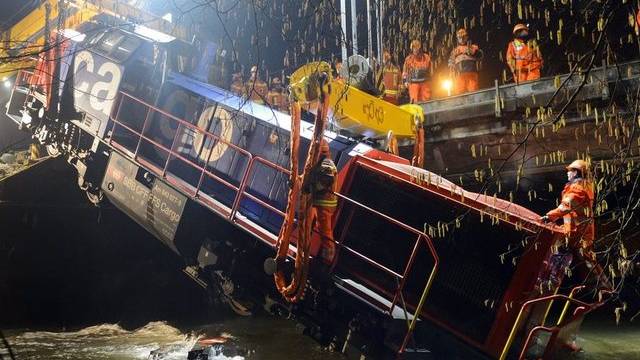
418	147
391	144
294	291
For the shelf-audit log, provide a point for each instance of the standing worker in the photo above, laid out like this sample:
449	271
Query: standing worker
276	96
576	211
416	74
523	56
323	187
390	78
257	89
464	62
237	86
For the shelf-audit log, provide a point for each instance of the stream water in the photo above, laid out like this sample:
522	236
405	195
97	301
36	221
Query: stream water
261	337
252	338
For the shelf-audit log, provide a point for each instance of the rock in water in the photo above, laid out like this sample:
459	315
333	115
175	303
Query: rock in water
8	158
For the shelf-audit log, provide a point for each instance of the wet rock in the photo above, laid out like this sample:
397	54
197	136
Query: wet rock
11	163
8	158
22	157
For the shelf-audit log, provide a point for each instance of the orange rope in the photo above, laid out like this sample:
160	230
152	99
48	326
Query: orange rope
294	291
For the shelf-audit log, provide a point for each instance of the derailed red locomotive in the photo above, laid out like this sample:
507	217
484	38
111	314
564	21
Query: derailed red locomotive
423	268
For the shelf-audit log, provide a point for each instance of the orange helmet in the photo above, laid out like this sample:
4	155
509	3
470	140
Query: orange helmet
328	168
519	27
415	44
462	32
579	165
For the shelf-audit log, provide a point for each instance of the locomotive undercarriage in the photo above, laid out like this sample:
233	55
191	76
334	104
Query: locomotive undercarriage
61	137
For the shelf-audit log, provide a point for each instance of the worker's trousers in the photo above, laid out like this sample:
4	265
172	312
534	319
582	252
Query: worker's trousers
527	75
419	92
466	82
324	225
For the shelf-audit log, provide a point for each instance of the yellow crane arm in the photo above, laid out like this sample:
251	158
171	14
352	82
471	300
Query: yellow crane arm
355	110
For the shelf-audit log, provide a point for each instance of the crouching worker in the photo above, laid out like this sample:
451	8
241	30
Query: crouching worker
322	186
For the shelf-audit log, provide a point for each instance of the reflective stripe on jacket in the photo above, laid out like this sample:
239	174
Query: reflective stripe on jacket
576	209
391	79
416	68
464	58
324	186
523	56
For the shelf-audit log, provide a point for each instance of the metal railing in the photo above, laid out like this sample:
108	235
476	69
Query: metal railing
582	309
170	151
24	78
420	236
241	193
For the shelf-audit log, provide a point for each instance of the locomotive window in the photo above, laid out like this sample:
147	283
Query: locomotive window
93	40
109	42
125	48
180	57
138	79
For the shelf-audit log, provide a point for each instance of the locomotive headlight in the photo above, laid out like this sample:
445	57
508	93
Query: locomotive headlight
7	84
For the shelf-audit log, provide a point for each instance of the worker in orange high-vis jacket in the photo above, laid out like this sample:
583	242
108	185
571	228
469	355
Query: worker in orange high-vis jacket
257	89
276	96
237	85
325	201
416	73
464	62
523	56
576	211
390	78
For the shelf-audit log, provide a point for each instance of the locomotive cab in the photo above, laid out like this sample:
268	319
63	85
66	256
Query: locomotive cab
117	61
93	67
68	101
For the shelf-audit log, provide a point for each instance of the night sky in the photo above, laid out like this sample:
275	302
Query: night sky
10	10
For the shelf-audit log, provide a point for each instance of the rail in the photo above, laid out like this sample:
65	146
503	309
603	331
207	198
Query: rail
141	136
582	309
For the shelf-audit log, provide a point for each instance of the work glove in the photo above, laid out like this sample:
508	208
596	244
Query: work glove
545	219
